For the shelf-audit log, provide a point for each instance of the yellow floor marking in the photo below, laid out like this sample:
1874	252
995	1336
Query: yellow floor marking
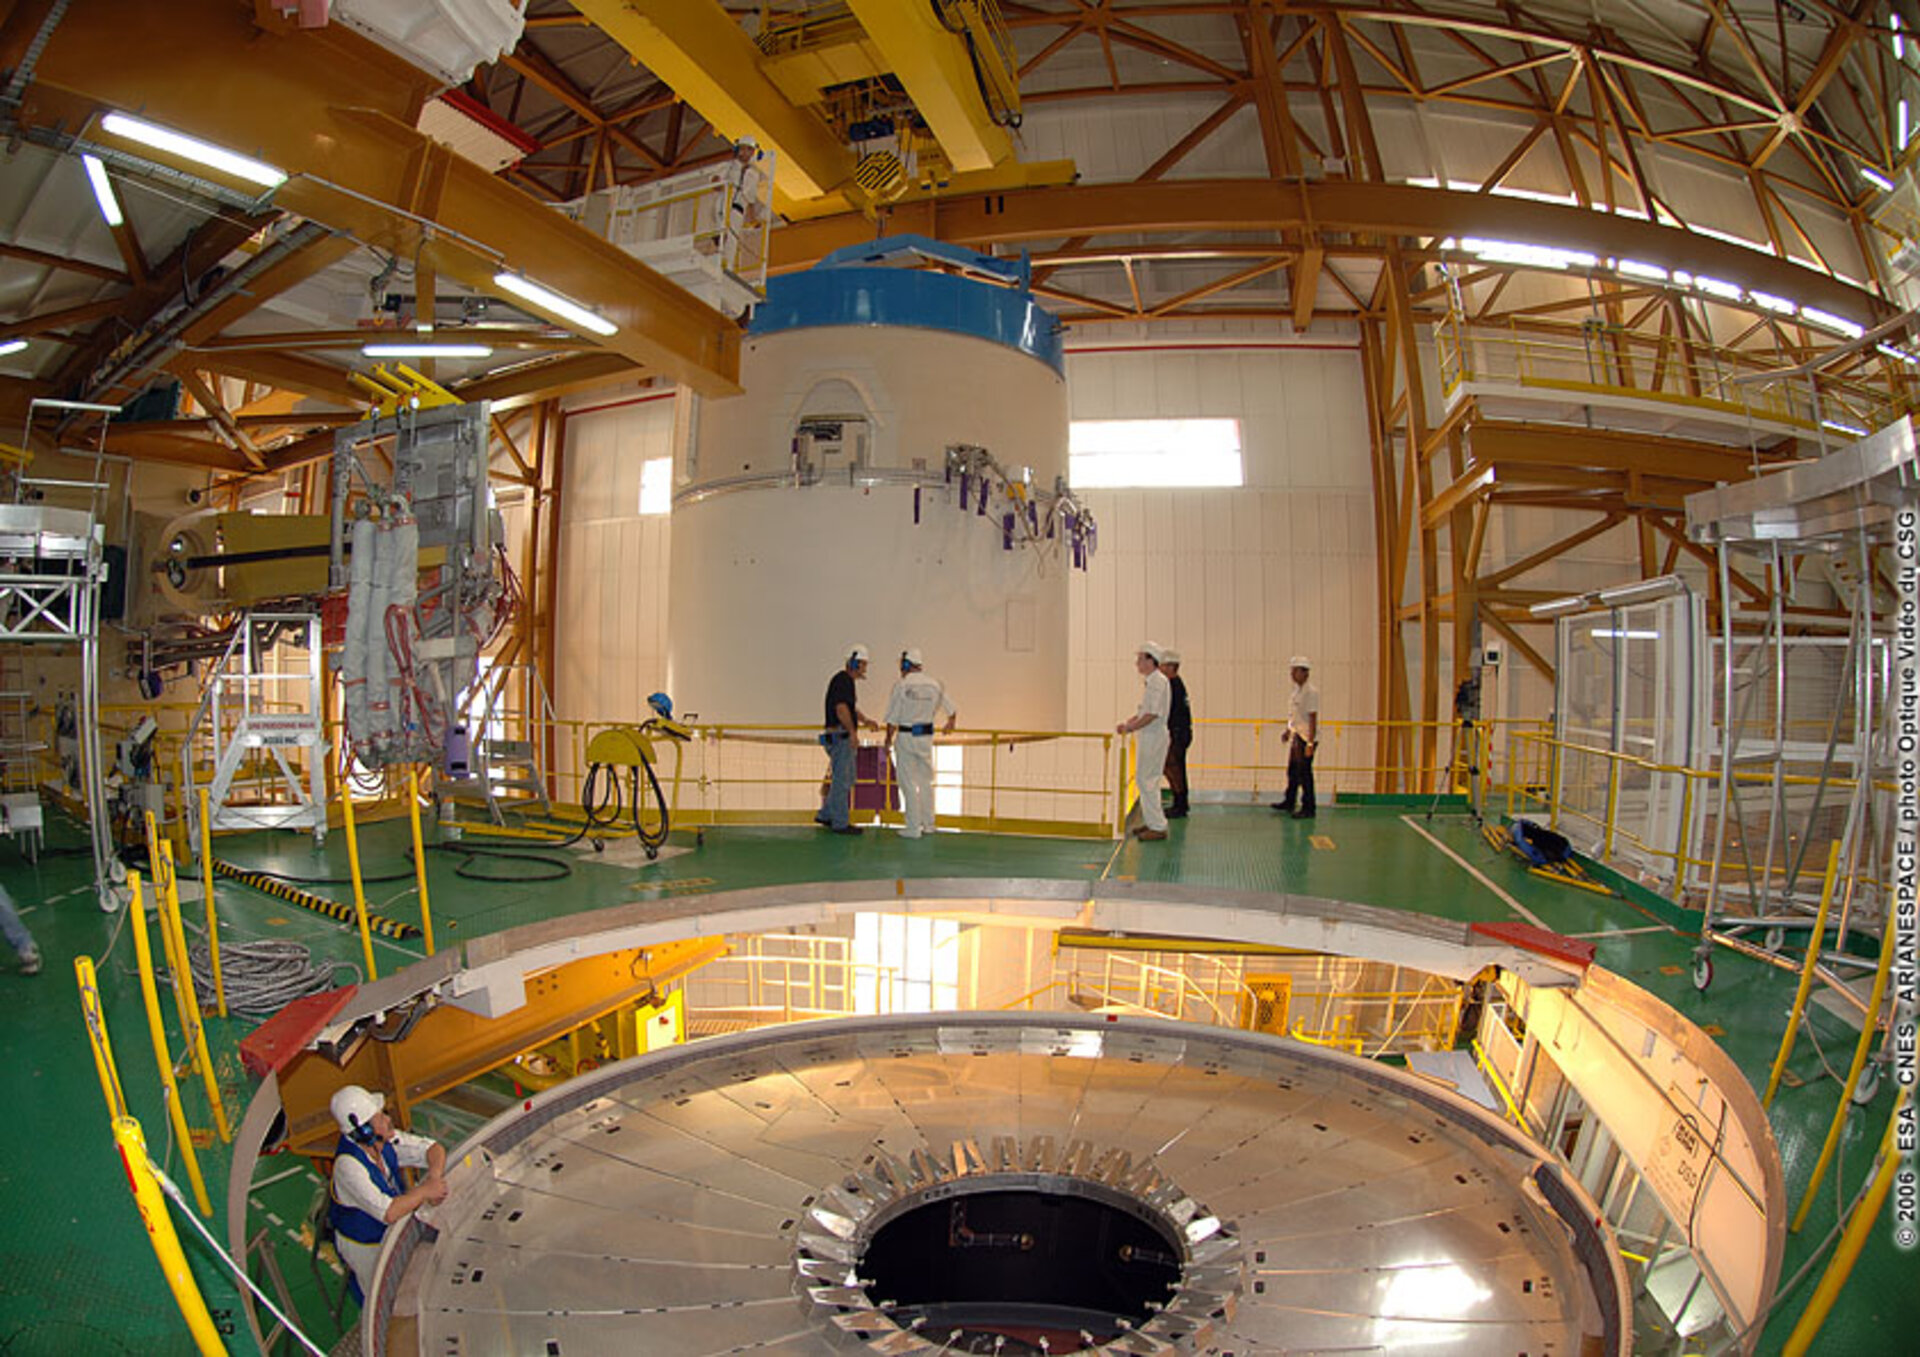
1324	842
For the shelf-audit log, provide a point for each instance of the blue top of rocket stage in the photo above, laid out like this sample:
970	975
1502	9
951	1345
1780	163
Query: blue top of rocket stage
880	283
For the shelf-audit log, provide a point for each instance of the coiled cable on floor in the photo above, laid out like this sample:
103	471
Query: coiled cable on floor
263	977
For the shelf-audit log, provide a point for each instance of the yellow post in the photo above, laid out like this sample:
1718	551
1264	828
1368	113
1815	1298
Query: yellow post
419	858
1806	976
1869	1029
353	870
166	1244
1840	1267
1613	804
194	1031
150	993
96	1021
206	886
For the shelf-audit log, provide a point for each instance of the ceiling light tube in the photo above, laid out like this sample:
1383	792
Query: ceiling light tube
1899	41
8	346
426	349
1641	591
1905	126
192	148
1634	268
1850	430
1612	634
102	190
1560	607
49	403
1888	351
1877	179
1717	287
572	312
1826	320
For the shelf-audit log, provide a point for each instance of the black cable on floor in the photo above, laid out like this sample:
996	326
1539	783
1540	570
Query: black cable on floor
558	869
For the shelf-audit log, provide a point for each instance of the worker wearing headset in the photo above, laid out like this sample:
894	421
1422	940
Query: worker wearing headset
368	1193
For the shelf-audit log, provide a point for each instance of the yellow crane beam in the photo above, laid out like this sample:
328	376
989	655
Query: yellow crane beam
939	74
705	57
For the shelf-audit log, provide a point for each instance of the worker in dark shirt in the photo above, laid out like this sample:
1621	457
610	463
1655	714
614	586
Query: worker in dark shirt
841	739
1179	735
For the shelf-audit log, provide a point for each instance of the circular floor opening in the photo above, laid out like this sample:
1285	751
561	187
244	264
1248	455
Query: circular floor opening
1018	1265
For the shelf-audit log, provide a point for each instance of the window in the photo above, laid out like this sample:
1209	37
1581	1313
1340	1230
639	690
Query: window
1108	454
656	485
903	964
949	781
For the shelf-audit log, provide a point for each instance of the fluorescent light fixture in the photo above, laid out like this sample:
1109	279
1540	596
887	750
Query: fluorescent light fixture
1877	179
1905	126
48	403
1681	278
1717	287
1610	634
1634	268
426	349
102	189
1899	42
1533	256
1887	350
192	148
11	346
1826	320
1850	430
572	312
1641	591
1766	301
1559	607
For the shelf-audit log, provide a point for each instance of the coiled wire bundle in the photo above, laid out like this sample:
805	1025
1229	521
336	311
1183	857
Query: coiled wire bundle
263	977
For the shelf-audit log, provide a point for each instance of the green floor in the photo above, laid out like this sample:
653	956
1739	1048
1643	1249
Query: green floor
77	1276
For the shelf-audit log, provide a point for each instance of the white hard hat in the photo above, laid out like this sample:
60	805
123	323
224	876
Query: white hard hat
1298	662
748	142
354	1107
1169	657
1150	650
857	653
911	655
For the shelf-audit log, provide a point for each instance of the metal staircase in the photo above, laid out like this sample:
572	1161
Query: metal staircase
506	772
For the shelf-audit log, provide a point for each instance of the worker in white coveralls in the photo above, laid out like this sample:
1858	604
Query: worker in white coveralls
368	1191
915	705
1149	728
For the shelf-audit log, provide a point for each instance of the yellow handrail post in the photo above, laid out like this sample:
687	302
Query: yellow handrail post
353	870
1847	1252
1869	1028
1806	976
1613	805
96	1020
150	994
206	886
194	1031
419	859
166	1244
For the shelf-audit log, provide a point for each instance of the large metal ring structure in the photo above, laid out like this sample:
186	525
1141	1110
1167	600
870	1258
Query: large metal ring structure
727	1197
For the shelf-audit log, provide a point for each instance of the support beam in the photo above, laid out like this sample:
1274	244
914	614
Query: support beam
1193	206
84	314
336	111
61	262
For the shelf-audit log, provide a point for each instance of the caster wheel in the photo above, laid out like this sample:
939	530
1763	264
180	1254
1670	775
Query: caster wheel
699	838
653	854
599	845
1703	973
1868	1085
1776	939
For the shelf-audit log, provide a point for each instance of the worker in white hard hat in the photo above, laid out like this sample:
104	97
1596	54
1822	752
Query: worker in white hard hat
368	1191
1148	726
745	211
1303	741
840	737
913	707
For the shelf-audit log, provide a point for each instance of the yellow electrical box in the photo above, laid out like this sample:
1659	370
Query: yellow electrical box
1264	1004
663	1026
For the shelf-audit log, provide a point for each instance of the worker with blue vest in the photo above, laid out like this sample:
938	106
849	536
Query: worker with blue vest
368	1192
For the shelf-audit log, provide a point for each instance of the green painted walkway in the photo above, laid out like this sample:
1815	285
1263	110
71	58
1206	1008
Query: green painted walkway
76	1275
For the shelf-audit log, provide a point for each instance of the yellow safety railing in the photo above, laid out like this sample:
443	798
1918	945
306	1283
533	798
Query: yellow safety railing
1603	359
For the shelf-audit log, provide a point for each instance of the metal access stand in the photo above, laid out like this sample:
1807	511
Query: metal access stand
1843	505
51	568
251	708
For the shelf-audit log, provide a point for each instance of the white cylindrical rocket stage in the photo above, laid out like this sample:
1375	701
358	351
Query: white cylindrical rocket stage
894	474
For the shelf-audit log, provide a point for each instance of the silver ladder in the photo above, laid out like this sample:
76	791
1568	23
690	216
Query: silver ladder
252	716
508	773
21	815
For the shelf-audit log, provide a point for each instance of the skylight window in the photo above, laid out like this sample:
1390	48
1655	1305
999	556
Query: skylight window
656	485
1113	454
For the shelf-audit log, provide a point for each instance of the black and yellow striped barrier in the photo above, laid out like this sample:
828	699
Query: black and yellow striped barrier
333	909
